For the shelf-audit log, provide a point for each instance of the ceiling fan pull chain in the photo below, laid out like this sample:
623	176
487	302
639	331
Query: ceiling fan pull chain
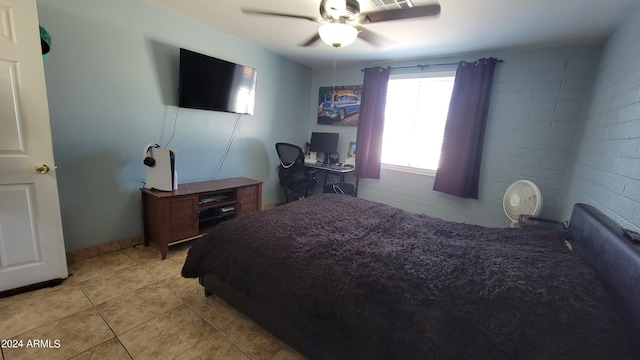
333	74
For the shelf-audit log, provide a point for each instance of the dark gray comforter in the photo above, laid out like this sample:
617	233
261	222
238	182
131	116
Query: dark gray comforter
370	281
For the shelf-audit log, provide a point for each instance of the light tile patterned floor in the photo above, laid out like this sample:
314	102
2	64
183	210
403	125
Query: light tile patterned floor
132	305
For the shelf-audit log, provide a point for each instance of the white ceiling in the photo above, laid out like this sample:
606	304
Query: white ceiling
462	26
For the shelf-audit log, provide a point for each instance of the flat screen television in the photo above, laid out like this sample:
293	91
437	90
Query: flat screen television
208	83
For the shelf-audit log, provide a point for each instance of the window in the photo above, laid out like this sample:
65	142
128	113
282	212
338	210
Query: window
415	117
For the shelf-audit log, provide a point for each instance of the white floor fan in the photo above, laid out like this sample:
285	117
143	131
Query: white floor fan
521	198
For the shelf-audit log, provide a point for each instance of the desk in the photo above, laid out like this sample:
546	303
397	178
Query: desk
340	171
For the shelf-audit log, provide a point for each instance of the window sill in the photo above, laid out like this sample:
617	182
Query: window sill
408	169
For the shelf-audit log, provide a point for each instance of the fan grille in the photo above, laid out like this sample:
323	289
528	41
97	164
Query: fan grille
522	198
330	11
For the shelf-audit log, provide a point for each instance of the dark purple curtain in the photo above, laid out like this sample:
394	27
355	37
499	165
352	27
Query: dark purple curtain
459	169
371	122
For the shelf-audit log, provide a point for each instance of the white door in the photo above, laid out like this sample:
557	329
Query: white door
31	242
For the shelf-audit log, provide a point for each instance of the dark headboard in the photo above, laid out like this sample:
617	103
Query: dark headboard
601	243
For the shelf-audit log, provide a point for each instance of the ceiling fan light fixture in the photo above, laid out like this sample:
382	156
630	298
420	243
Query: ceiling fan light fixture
338	35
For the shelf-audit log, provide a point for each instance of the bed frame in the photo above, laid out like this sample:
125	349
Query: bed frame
266	318
602	244
598	240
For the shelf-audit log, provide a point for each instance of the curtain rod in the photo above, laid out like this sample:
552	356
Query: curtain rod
427	65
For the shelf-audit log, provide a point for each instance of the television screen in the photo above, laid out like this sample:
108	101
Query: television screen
208	83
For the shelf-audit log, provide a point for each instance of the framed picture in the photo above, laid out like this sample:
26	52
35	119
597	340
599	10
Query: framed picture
352	149
351	154
339	105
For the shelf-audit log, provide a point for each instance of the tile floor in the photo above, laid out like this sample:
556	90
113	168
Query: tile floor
131	305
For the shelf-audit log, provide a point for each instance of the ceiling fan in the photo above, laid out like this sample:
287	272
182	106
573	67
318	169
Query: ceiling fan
341	20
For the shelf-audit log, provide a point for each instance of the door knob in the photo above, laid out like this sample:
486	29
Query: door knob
42	169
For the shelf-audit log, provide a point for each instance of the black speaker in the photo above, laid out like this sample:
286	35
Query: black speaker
334	158
148	155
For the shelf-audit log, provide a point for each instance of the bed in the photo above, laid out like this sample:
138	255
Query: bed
338	277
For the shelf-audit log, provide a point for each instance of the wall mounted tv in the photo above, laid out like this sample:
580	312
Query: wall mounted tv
208	83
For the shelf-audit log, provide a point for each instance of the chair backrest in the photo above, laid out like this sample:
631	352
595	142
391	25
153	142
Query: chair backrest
289	154
291	168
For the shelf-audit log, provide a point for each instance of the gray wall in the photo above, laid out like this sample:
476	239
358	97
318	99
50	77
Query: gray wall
112	79
537	102
605	169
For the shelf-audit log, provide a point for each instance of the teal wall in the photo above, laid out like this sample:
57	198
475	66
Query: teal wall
566	118
605	164
112	78
537	103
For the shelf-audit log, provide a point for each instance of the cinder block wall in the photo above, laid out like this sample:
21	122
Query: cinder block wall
538	100
605	165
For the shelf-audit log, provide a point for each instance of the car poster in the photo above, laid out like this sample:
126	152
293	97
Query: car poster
339	105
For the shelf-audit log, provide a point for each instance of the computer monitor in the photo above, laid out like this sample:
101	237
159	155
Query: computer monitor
326	143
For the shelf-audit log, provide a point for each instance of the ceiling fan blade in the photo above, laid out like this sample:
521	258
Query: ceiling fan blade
371	37
312	40
270	13
399	14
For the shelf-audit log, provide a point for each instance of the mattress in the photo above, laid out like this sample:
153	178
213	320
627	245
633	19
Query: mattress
370	281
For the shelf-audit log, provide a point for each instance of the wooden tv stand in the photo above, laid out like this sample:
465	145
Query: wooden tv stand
194	208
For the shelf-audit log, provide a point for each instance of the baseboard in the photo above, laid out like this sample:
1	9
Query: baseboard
116	245
269	206
102	249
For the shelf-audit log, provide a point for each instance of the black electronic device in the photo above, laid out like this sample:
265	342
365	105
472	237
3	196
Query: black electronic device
208	83
326	143
148	159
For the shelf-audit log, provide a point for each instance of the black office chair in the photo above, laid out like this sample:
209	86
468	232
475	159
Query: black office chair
294	177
